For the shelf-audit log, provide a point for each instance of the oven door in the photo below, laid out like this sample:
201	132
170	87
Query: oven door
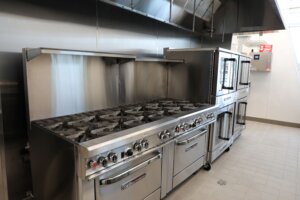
189	148
223	127
243	73
137	180
227	72
240	117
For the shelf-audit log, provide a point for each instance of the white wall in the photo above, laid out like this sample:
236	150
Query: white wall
275	95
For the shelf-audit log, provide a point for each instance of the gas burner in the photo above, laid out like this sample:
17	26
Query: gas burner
100	129
94	124
80	119
174	111
110	112
199	105
132	108
172	108
155	115
70	132
134	112
189	107
50	124
169	105
182	102
166	101
132	118
111	118
133	123
152	106
186	104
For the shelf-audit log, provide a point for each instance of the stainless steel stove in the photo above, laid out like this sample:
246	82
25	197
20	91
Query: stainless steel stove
112	128
104	141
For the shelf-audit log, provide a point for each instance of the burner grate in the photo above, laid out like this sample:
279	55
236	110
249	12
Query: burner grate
90	125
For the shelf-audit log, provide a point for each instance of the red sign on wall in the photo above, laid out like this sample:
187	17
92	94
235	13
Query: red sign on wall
265	48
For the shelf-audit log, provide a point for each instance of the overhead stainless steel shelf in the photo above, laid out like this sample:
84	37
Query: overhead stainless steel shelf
158	60
32	53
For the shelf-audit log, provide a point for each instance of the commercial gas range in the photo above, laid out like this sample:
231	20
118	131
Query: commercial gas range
122	152
111	126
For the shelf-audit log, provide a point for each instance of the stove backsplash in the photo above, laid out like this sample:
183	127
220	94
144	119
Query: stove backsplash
67	84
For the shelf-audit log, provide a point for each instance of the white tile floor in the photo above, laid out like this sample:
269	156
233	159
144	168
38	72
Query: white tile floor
263	164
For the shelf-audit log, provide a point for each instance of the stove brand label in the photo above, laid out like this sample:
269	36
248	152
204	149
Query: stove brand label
130	183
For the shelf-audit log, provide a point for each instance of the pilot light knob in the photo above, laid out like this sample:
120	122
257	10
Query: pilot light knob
92	164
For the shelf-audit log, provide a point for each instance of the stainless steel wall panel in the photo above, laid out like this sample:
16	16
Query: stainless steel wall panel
191	79
3	177
151	80
14	127
30	24
59	84
64	86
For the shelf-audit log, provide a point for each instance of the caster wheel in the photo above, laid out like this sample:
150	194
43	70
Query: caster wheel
207	167
228	149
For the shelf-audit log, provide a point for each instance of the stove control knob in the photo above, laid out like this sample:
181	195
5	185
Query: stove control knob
184	126
145	144
200	120
92	164
129	152
103	161
168	133
210	116
195	123
137	146
163	135
113	157
177	129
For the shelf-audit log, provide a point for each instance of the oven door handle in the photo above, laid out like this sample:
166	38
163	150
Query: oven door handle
228	129
241	81
191	138
127	173
223	84
245	111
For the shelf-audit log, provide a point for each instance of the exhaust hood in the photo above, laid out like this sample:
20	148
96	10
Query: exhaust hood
203	16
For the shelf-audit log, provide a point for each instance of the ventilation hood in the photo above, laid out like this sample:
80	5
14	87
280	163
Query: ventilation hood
204	16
